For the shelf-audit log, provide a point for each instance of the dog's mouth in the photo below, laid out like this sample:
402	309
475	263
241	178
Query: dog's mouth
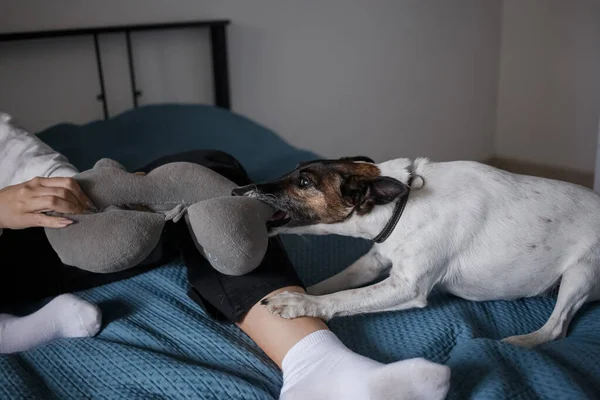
279	219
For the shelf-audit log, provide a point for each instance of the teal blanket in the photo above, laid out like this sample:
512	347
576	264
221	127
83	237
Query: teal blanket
157	344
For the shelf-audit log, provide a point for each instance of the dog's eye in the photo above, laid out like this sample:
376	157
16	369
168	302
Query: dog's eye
304	182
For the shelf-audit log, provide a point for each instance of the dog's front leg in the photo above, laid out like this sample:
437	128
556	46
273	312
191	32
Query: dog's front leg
364	270
395	292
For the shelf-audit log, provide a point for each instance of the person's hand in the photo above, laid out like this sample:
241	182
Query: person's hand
23	206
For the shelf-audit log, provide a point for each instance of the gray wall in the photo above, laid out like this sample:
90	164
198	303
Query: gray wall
549	96
381	78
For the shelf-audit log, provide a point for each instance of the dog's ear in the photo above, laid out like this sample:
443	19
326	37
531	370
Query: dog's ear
358	158
363	193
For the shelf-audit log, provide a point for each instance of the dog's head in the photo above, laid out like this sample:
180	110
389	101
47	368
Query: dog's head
325	192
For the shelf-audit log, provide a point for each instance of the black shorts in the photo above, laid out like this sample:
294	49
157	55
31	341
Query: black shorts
31	270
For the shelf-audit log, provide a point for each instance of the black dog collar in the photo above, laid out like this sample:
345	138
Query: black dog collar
398	210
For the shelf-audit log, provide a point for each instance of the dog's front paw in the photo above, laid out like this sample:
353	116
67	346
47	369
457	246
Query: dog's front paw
293	305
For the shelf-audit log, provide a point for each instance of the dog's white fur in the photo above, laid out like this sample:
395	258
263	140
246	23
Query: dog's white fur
474	231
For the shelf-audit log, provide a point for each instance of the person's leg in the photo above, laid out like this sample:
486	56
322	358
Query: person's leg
66	316
33	271
315	364
30	272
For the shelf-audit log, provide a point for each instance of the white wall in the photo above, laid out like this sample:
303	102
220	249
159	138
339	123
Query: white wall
549	92
381	78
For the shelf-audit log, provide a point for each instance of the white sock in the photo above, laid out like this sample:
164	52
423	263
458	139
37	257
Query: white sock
64	317
320	367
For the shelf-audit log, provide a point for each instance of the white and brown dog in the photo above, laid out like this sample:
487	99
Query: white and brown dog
463	227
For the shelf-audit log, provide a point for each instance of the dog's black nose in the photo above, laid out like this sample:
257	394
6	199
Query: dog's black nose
242	190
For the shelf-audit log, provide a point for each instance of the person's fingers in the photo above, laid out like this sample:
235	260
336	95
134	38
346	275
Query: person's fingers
47	221
61	192
53	203
70	184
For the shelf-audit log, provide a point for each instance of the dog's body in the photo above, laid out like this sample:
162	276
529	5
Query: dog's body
471	230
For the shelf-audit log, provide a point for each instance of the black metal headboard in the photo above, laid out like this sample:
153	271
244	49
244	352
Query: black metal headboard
218	43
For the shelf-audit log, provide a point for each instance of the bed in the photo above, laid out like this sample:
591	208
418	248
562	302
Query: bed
156	343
